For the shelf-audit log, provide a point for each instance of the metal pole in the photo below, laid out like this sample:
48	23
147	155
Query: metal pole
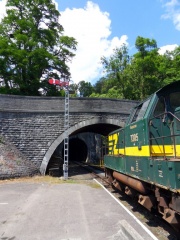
66	138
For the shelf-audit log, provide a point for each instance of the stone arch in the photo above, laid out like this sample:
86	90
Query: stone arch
75	128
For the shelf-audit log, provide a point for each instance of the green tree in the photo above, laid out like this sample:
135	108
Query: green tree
145	45
115	67
176	63
32	44
98	86
152	70
170	66
143	71
85	88
136	77
73	90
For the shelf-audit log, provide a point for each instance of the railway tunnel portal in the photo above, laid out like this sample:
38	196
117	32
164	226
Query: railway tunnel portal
35	125
78	149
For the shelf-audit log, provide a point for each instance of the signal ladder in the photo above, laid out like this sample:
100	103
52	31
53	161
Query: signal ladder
66	138
64	85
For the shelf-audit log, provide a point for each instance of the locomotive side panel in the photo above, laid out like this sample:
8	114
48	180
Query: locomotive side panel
144	157
114	159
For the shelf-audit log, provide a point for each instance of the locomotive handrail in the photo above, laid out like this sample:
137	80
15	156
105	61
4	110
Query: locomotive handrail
173	116
165	113
165	136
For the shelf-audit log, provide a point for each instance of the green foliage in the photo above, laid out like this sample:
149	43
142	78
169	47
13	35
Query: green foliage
145	45
115	67
85	88
140	75
32	44
73	90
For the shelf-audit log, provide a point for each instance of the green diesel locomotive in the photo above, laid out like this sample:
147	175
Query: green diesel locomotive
143	158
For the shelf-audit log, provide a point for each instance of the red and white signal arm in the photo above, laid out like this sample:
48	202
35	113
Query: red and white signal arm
58	82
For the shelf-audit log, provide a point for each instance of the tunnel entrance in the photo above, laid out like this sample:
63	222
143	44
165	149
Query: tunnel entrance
78	150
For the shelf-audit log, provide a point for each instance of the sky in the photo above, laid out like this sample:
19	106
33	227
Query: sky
99	26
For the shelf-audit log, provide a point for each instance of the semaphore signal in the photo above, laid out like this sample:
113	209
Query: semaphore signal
58	82
65	85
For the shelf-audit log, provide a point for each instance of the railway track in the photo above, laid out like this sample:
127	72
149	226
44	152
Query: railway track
152	221
95	171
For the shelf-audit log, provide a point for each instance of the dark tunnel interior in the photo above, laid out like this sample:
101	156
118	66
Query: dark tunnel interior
78	150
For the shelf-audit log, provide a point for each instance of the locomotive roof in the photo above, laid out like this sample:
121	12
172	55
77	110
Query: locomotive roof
172	86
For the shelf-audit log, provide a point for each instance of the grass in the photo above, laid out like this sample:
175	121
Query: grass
50	180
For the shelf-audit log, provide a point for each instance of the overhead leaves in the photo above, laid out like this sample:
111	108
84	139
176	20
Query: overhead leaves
33	47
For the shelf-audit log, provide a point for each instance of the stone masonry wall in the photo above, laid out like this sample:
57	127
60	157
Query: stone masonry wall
33	133
32	124
13	163
56	104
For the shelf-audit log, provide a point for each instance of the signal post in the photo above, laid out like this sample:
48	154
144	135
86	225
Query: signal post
64	85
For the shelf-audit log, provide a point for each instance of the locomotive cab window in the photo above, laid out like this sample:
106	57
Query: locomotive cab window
160	107
175	107
143	110
135	114
139	111
174	100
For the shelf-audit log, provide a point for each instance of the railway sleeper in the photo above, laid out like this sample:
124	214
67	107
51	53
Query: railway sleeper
162	205
147	201
175	203
172	218
123	188
167	200
130	192
108	174
168	206
118	185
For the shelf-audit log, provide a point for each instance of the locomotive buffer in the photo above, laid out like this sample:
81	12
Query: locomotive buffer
64	85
